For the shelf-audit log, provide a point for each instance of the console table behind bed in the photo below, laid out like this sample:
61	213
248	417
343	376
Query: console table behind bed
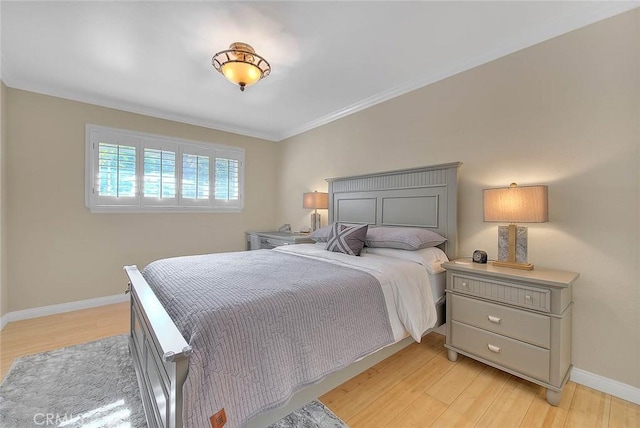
424	197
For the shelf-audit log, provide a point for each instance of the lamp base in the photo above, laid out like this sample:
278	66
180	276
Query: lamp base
315	222
521	266
512	243
505	246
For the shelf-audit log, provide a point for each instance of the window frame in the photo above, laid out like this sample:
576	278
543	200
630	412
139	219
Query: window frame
95	134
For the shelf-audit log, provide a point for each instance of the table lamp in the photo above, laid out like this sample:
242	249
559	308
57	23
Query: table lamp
513	204
315	200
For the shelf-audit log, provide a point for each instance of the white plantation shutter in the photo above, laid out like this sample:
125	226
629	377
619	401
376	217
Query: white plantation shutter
128	171
114	181
228	167
159	173
117	172
196	176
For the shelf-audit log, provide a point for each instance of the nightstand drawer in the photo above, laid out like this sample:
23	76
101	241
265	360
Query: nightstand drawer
515	323
510	353
519	295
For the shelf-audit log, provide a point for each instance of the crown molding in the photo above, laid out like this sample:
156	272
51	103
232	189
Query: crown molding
132	108
514	44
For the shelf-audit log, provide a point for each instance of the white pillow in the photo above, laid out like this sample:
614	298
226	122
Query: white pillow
403	238
431	258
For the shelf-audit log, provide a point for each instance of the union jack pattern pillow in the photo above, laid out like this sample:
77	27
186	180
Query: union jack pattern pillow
347	239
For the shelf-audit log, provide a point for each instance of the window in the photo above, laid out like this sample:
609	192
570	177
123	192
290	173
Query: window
159	174
195	177
117	173
227	170
134	172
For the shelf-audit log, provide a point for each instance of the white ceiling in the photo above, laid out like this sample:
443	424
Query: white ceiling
328	59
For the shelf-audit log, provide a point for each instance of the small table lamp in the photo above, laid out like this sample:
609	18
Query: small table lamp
515	204
315	200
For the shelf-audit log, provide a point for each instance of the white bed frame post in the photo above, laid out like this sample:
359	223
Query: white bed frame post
160	355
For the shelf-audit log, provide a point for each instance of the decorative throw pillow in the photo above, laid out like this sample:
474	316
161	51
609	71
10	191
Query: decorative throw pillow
322	234
347	239
403	238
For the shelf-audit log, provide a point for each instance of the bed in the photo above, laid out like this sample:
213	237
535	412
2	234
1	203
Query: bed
419	198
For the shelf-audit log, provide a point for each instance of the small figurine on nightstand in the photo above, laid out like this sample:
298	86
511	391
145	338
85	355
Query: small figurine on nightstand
285	228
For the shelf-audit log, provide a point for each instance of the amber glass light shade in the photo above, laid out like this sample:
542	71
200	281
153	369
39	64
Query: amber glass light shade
241	65
241	73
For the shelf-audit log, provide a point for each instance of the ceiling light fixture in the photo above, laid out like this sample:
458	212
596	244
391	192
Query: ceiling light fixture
241	65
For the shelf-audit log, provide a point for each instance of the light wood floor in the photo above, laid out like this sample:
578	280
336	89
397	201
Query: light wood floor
416	387
57	331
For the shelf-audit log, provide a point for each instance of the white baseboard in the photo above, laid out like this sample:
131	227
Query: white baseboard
606	385
61	308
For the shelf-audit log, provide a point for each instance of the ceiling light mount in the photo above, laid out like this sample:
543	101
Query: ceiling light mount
241	65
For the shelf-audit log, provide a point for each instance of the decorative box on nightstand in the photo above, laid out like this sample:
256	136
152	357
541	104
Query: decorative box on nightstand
268	240
517	321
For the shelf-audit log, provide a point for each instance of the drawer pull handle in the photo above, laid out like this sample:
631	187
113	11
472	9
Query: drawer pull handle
494	348
494	319
464	284
527	297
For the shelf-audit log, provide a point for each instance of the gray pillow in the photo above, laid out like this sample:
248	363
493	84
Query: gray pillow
403	238
322	234
346	239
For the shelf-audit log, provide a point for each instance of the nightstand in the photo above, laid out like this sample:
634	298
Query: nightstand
268	240
516	321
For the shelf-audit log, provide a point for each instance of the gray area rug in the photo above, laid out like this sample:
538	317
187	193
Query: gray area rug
94	385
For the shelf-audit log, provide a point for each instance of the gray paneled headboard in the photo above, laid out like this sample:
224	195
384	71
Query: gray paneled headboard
423	197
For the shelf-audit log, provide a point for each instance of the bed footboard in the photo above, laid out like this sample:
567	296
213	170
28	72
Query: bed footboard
160	355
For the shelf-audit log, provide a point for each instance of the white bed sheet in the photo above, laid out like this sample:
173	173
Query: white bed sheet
407	287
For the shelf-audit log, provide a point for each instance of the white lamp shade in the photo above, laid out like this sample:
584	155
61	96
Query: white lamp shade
528	204
315	200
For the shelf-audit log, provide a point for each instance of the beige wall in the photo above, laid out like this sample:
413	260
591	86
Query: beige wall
59	251
563	113
3	197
